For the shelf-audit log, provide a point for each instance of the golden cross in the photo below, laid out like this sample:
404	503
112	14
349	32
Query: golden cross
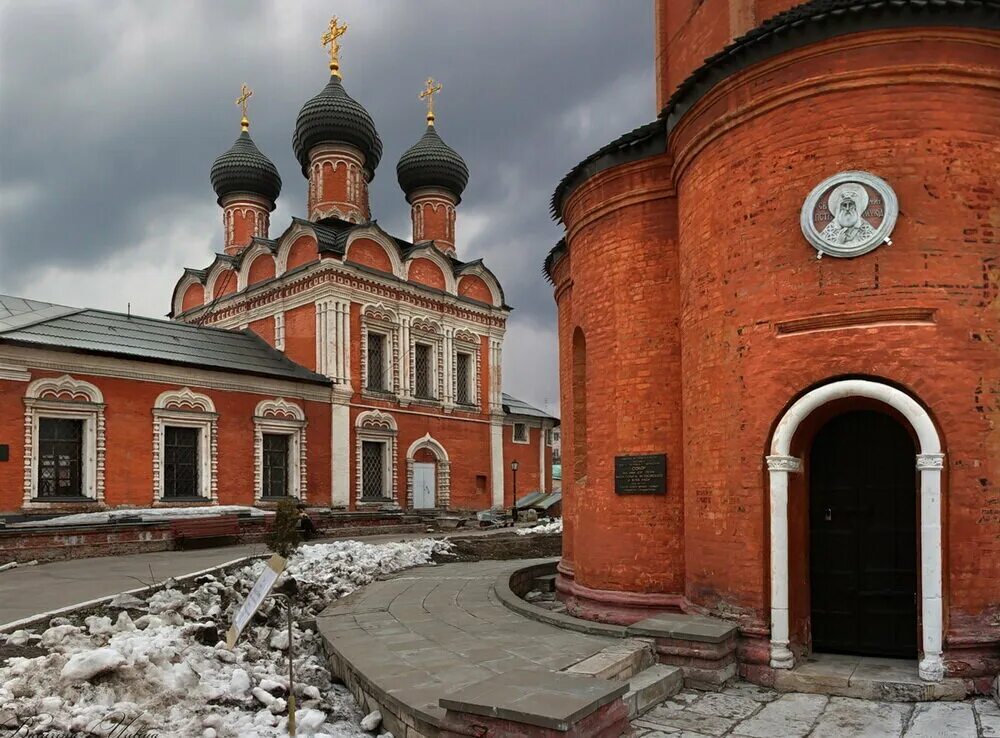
330	39
428	94
245	94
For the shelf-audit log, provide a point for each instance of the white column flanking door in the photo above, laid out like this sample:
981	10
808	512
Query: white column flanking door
424	485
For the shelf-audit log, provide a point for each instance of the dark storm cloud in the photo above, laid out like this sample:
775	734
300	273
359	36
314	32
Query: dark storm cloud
112	112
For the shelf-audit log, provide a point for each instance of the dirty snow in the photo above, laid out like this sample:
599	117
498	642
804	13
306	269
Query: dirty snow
554	527
146	515
162	663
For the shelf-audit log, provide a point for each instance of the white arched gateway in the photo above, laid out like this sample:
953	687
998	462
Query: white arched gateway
929	463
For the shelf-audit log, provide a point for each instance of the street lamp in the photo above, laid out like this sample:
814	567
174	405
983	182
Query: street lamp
513	468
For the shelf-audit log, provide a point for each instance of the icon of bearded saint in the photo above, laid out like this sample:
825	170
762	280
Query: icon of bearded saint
847	202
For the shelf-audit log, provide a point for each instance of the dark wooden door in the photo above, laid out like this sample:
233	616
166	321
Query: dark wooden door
862	533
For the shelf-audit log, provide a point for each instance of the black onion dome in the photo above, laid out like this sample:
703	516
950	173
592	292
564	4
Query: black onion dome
244	169
333	116
430	162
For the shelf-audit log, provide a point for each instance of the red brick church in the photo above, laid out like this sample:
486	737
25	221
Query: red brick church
332	362
779	315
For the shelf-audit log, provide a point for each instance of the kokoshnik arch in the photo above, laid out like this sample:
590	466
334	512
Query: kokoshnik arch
784	293
335	363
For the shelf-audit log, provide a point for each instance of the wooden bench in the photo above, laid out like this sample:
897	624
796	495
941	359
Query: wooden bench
204	529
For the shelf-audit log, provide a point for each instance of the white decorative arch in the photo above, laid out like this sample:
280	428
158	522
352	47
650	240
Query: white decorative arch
433	254
184	399
376	420
248	258
478	270
929	463
431	444
64	388
70	399
376	234
181	289
292	235
442	479
279	408
218	270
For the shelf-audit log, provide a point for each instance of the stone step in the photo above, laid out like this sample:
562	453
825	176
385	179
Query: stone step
545	583
621	660
652	686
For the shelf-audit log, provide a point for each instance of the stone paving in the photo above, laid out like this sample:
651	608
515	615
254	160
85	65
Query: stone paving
747	711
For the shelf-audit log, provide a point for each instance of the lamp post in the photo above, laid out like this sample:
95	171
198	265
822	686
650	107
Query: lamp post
513	468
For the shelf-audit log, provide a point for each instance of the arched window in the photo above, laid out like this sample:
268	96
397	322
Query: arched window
579	407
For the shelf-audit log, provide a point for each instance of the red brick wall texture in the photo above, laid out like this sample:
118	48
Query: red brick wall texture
681	266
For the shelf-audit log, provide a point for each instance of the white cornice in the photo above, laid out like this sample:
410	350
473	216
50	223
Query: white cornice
108	366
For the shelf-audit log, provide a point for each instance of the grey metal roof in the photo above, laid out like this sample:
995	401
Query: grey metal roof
147	339
514	406
16	312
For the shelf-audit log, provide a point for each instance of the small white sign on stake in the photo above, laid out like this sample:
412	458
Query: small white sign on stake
261	588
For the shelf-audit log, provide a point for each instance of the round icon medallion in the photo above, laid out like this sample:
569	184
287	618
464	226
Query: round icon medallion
849	214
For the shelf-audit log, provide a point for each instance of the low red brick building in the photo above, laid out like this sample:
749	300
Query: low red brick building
334	363
778	320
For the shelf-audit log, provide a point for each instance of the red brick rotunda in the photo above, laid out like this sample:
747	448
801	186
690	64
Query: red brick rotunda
778	327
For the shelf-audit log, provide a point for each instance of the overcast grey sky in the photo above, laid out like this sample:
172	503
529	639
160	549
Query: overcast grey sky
111	113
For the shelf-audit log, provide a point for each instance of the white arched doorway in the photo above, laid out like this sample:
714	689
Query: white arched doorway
428	484
929	464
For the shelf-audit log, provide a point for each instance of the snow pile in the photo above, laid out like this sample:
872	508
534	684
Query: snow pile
146	515
161	662
553	527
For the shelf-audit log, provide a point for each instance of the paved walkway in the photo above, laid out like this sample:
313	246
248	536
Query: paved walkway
426	632
30	590
748	711
431	630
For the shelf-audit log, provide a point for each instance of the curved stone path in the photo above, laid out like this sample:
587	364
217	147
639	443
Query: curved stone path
407	641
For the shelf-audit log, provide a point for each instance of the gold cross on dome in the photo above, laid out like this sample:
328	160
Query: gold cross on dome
428	94
245	94
333	33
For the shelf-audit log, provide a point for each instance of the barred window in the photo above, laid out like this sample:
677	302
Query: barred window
422	364
463	379
180	462
520	433
376	361
60	453
372	469
275	465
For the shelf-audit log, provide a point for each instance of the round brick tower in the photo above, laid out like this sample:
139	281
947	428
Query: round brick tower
783	293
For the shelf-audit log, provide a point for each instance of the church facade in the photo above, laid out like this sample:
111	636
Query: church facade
779	305
333	362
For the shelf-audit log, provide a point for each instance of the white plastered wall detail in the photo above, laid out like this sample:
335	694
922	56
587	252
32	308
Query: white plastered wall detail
279	416
187	409
74	399
442	493
379	427
377	318
929	463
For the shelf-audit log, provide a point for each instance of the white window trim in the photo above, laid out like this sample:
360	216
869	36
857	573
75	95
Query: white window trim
527	433
186	409
65	397
377	427
428	332
381	320
281	417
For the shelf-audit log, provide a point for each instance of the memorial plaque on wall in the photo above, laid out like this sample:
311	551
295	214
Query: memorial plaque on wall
644	474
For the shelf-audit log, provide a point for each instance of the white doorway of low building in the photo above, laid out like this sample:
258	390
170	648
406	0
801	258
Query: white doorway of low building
424	485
